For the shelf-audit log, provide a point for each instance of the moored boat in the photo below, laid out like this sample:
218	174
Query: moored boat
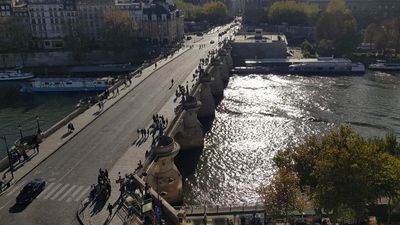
9	75
328	66
382	65
250	69
67	84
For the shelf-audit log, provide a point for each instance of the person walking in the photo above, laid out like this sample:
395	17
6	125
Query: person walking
110	209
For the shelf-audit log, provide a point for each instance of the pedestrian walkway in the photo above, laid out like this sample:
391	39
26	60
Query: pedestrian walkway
125	165
52	143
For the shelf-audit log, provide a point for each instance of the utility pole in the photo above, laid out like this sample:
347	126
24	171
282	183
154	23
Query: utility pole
39	131
20	131
9	157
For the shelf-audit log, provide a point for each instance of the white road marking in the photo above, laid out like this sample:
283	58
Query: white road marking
52	191
59	192
75	193
47	188
66	193
82	194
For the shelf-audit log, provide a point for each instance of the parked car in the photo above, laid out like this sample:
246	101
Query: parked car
30	191
212	42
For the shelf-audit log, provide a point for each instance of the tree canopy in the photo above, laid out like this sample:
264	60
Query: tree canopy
292	12
338	26
13	36
384	36
344	172
214	12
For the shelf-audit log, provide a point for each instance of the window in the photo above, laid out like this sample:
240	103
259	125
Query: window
154	17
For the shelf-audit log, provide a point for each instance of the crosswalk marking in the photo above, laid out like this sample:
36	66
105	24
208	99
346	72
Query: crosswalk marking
75	193
67	193
59	192
52	191
16	188
82	194
46	189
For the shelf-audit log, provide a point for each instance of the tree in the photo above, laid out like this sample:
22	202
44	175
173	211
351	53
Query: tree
119	30
282	195
345	173
77	40
337	25
216	12
292	12
192	12
14	37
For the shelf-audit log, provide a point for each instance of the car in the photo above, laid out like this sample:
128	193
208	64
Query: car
212	42
30	191
188	38
199	34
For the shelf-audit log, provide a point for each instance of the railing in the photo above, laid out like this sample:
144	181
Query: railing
197	210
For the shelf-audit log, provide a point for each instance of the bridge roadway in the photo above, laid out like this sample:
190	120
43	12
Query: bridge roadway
99	145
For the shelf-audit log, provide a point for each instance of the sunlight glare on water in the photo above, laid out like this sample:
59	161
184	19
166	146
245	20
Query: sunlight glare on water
261	114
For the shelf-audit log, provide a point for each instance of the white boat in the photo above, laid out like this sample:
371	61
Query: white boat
382	65
67	84
9	75
250	69
328	66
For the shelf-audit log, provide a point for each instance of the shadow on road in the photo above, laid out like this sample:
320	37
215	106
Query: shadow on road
17	208
66	134
99	205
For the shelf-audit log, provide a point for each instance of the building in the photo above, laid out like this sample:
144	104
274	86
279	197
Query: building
162	24
47	20
367	11
6	8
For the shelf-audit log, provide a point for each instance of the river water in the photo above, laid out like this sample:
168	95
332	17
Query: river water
261	114
18	108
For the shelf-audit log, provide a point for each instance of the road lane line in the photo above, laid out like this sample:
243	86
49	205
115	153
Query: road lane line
66	193
52	191
46	189
16	188
59	192
75	193
82	194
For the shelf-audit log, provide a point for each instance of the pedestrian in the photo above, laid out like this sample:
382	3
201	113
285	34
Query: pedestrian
99	105
36	143
172	82
106	173
138	131
110	209
117	91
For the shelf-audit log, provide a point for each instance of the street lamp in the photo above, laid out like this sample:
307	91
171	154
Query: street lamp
38	125
9	157
20	131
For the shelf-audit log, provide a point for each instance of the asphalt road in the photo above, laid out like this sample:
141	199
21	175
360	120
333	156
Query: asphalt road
74	167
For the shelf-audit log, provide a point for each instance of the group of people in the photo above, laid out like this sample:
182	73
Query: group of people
158	126
103	185
202	46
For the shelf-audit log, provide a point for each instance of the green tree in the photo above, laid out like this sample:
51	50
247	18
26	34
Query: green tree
292	12
119	30
14	37
337	25
282	195
344	172
192	12
77	40
216	12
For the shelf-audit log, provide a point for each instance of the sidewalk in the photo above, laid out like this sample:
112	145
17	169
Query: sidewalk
56	140
89	213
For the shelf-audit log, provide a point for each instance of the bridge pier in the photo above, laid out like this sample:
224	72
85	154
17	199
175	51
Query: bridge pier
207	108
190	133
163	175
217	84
223	69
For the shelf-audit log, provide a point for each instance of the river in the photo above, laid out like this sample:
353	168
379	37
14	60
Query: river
17	108
261	114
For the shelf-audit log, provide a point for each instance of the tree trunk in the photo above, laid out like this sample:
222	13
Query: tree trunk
389	211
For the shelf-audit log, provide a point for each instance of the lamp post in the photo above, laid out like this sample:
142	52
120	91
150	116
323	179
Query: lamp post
20	131
38	125
9	157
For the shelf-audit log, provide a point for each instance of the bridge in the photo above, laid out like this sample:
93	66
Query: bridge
108	138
